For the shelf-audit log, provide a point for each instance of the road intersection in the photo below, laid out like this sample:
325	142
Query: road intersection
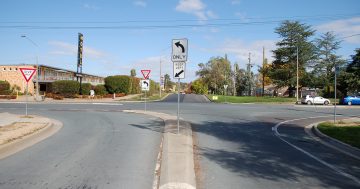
235	147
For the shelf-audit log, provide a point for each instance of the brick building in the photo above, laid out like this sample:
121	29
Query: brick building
47	75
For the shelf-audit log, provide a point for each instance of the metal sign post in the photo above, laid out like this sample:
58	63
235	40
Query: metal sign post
336	73
178	108
145	86
27	74
179	57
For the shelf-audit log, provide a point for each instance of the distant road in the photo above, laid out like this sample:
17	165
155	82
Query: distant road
187	98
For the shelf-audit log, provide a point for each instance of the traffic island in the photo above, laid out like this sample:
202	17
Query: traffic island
18	132
342	136
176	168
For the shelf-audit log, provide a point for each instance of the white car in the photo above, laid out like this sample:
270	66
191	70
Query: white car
308	99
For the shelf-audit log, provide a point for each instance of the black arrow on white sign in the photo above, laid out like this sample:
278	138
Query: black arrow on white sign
178	74
147	84
178	44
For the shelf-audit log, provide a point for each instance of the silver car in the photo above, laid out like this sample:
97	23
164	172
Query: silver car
308	99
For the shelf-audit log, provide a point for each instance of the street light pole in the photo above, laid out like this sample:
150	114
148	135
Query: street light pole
37	66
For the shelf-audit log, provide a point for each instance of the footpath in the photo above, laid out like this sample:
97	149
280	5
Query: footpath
31	99
18	132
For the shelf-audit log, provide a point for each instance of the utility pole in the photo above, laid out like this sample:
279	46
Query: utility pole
249	73
37	67
234	81
160	79
297	74
263	74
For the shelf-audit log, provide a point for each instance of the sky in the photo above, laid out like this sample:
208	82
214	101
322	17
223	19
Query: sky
120	35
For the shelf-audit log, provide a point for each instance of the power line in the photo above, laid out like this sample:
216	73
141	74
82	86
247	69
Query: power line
204	23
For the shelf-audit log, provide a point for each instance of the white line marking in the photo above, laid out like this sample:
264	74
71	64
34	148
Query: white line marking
275	129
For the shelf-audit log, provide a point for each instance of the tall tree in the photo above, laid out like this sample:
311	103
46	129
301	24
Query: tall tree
264	75
295	36
241	80
353	69
215	74
324	67
133	72
167	82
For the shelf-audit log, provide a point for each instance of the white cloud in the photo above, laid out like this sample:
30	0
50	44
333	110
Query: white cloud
90	7
240	50
64	48
140	3
195	7
343	28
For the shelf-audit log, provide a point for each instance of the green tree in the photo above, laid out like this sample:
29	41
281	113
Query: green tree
324	67
133	73
168	83
215	74
199	87
294	36
353	70
241	80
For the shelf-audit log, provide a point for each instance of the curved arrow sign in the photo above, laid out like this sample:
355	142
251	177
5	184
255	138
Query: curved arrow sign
179	50
145	85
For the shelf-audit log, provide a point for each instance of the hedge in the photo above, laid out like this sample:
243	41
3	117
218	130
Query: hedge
118	84
100	90
85	88
135	87
66	88
5	88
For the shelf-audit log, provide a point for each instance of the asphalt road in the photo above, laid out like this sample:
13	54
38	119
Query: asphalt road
236	146
94	149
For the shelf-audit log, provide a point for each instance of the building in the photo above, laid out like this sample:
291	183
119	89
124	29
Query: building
47	75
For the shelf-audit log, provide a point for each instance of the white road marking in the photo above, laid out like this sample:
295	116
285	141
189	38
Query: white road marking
334	168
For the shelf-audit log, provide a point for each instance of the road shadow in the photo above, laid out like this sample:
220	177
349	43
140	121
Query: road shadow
153	125
252	151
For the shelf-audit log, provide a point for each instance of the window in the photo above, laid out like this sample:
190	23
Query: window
4	69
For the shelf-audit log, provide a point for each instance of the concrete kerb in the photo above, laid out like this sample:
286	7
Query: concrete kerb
177	159
13	147
333	143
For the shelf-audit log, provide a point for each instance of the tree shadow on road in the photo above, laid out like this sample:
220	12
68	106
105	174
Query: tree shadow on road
253	151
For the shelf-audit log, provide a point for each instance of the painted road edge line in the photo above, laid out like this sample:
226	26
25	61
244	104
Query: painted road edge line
334	168
312	128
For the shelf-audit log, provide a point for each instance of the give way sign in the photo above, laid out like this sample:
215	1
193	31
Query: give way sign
28	73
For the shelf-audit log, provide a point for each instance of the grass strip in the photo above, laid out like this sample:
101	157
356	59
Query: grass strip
251	99
346	134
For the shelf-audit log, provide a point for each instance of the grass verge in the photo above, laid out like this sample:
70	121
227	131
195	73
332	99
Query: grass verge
251	99
348	133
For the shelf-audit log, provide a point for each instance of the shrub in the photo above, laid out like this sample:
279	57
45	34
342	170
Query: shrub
118	84
66	88
135	86
100	90
5	88
199	87
85	88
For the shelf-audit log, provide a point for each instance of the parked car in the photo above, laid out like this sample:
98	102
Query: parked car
351	100
308	99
